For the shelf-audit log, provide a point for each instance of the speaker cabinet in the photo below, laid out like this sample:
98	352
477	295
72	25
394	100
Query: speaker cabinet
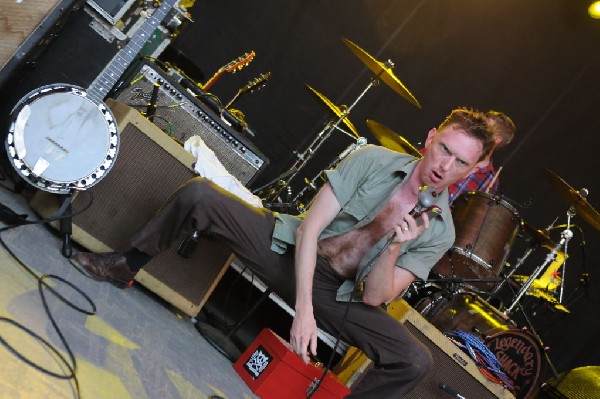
181	115
451	366
149	167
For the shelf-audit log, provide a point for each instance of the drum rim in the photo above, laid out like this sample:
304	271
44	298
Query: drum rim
496	198
62	187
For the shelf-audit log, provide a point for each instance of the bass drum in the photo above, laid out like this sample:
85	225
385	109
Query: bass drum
520	353
522	358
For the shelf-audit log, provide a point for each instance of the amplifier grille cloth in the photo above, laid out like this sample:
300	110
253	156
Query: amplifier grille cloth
191	118
142	179
445	370
139	176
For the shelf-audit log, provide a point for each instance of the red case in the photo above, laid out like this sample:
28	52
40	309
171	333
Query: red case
273	371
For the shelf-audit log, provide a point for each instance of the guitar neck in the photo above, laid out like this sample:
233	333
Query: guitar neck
100	87
212	81
230	103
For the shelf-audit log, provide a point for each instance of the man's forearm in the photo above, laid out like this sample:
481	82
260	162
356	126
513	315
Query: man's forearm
380	285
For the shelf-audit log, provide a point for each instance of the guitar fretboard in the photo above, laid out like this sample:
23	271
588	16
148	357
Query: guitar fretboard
115	68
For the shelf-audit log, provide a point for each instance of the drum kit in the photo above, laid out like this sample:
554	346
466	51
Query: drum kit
463	283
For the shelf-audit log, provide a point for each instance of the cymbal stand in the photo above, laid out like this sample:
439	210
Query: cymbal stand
271	191
279	183
519	263
565	236
312	184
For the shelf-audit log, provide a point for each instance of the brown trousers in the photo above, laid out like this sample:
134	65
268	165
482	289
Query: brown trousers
400	360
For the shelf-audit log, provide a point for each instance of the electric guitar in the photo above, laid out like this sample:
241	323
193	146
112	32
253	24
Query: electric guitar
255	84
230	67
63	137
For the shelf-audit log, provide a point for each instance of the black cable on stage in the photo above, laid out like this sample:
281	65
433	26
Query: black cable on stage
70	364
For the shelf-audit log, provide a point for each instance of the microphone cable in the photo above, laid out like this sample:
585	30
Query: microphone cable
313	388
69	362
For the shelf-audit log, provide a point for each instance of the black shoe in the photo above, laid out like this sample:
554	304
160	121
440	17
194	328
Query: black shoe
111	267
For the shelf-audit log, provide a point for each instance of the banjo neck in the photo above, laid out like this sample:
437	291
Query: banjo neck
101	86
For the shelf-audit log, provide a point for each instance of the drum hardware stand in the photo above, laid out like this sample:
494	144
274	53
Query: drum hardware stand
270	192
534	333
519	263
311	184
565	235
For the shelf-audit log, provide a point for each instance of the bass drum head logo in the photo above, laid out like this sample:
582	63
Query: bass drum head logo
522	360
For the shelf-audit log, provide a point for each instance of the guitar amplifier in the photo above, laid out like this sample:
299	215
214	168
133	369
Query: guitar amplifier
453	370
179	113
149	168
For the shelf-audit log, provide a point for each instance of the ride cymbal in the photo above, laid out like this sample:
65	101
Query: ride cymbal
382	71
390	139
574	198
336	110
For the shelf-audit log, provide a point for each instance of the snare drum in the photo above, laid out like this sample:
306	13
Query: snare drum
486	226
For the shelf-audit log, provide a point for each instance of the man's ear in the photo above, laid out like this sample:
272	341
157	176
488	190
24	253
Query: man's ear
430	136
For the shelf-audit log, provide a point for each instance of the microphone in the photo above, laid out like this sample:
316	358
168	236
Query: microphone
425	203
426	196
450	391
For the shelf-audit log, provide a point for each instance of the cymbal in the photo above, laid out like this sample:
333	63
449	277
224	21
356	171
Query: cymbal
336	110
382	71
540	236
575	198
390	139
541	292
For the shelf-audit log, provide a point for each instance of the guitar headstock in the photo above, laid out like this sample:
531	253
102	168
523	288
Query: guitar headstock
238	63
257	83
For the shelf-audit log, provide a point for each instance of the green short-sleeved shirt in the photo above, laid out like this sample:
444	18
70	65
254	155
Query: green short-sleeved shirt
363	183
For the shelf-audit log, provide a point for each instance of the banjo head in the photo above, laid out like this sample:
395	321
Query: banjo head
60	140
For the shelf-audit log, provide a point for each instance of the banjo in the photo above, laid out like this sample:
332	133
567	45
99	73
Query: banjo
63	138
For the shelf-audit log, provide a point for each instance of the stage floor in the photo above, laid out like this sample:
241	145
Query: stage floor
134	346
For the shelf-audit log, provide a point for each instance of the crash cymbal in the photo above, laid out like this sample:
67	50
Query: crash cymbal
539	236
336	110
390	139
382	71
575	198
